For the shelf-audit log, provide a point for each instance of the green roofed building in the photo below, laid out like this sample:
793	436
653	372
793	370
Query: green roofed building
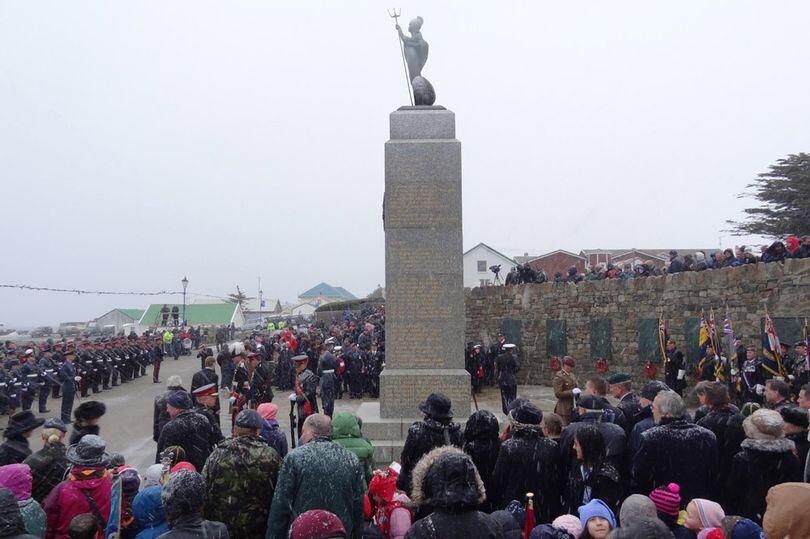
197	314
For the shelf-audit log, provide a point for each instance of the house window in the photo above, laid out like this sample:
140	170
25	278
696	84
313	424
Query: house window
482	266
483	282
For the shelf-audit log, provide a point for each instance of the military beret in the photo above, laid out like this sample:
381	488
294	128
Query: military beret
618	378
249	419
180	399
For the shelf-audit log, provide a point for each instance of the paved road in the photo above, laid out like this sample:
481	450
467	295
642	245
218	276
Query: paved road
127	425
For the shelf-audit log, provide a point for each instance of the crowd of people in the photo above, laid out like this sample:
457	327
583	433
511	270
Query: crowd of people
778	251
608	462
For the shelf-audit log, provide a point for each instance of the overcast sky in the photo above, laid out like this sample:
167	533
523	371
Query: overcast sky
144	141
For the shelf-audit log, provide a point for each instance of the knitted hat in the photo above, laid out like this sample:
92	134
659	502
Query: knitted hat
635	507
183	465
569	523
317	524
667	499
268	410
710	513
735	527
596	508
764	425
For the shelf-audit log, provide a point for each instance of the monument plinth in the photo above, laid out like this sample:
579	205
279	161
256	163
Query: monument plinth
423	264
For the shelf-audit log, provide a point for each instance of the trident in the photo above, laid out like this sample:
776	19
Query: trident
394	14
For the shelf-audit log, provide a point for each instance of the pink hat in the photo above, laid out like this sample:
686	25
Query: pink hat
268	410
667	499
711	514
183	465
569	523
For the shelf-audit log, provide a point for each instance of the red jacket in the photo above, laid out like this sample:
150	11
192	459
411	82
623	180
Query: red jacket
66	501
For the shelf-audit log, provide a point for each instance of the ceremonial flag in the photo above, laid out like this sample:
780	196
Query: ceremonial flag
662	340
528	521
703	341
715	342
807	345
728	332
771	351
113	528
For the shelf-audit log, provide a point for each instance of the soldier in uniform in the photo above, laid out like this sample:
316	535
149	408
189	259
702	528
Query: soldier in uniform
508	365
327	365
260	389
47	370
495	350
620	385
752	378
565	389
207	401
29	376
204	377
69	377
801	366
306	387
157	360
240	384
373	362
675	368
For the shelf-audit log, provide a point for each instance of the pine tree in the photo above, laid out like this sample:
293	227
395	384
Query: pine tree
239	298
785	194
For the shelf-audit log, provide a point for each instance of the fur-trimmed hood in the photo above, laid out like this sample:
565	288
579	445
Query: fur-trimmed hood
447	478
779	445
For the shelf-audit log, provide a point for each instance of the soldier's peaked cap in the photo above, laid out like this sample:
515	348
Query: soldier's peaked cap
302	357
206	390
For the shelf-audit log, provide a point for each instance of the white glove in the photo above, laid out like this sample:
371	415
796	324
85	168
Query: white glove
232	400
292	397
791	377
78	378
759	389
681	374
576	391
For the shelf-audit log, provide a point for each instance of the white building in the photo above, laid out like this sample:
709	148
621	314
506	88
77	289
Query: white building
477	262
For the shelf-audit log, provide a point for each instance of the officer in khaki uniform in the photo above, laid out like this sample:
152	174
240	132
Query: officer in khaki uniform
565	389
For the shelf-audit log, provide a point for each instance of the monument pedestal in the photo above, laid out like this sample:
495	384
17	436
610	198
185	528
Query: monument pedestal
424	345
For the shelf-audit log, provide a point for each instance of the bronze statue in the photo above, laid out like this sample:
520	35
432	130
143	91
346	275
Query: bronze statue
416	54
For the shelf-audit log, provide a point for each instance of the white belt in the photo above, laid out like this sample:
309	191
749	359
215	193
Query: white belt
330	371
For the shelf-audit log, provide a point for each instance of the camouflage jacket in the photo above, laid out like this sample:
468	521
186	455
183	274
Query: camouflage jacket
240	480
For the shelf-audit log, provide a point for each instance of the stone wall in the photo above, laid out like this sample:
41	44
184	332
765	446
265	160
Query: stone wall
617	319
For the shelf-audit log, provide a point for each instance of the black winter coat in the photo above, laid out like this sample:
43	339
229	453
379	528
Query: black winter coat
14	450
760	465
161	416
482	443
422	437
469	525
676	451
630	408
802	445
615	437
80	432
11	521
604	481
528	462
726	424
191	431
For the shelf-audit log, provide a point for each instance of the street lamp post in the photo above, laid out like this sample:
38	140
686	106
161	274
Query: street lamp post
185	284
